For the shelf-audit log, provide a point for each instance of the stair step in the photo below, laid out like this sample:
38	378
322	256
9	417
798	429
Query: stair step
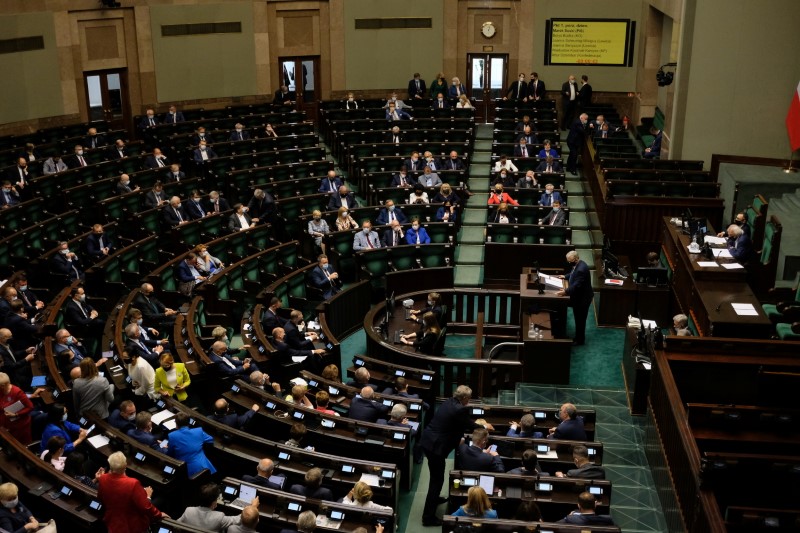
578	220
581	239
474	216
594	220
479	198
482	157
468	276
471	234
478	185
469	254
482	145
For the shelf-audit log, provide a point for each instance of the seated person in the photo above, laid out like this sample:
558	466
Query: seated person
205	516
143	432
225	415
425	340
740	220
298	396
419	196
330	183
401	389
739	244
393	235
529	136
585	469
530	465
521	149
344	221
654	150
502	215
680	325
124	417
498	196
98	244
225	365
549	196
505	179
402	179
523	428
284	97
528	181
653	260
549	166
571	426
477	506
389	213
440	102
285	353
312	487
505	163
477	456
264	470
366	239
556	216
547	151
239	133
364	408
296	335
446	194
432	305
429	178
394	113
394	135
585	515
417	234
361	379
323	401
447	213
203	153
361	496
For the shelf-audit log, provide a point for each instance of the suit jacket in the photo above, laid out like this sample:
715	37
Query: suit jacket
387	240
530	139
542	167
455	89
401	115
588	471
173	216
223	205
565	92
194	210
585	95
434	178
234	420
411	166
152	309
186	444
145	122
75	317
198	157
552	152
366	410
517	91
151	162
741	248
580	294
95	141
142	350
577	133
51	167
555	218
281	98
655	146
128	510
260	481
538	91
73	161
473	458
170	177
235	136
389	137
320	493
235	224
325	185
64	267
413	92
443	433
360	241
320	280
408	181
335	201
93	245
174	118
152	200
123	189
444	104
148	439
284	352
262	209
411	236
9	199
384	218
114	153
270	321
184	273
528	150
206	137
205	518
116	420
295	339
452	164
547	199
587	519
28	298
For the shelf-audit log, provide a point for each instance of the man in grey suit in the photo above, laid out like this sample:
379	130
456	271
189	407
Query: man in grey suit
366	239
205	516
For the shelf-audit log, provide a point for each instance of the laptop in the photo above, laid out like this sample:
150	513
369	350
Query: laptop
246	495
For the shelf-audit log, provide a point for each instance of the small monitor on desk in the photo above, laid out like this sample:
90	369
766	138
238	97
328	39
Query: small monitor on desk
652	276
698	226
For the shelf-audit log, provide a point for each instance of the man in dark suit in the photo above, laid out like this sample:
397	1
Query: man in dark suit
143	432
269	317
585	469
477	456
283	97
586	515
155	197
342	198
453	162
239	133
94	139
584	94
654	150
518	90
401	179
393	235
521	150
156	159
203	153
556	216
264	471
284	353
571	426
174	214
240	219
580	294
224	415
83	317
66	263
8	196
294	337
330	183
416	88
569	100
394	135
200	136
98	244
16	362
193	206
117	151
325	278
739	244
361	379
312	487
390	212
188	274
19	175
174	174
124	185
529	135
395	113
174	116
575	140
440	102
78	158
154	312
124	417
441	436
32	304
549	165
225	365
148	121
536	88
23	333
136	345
261	206
364	408
216	203
549	196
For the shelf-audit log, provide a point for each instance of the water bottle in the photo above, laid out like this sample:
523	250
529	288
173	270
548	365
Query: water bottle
536	334
532	331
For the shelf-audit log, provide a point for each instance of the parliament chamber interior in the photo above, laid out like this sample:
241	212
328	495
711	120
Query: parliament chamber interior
454	265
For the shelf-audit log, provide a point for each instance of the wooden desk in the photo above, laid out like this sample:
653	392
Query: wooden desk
504	261
635	375
707	293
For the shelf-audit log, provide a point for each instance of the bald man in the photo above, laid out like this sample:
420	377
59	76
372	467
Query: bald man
264	471
154	313
363	407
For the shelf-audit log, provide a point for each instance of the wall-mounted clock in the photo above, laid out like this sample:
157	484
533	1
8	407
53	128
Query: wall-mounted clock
488	30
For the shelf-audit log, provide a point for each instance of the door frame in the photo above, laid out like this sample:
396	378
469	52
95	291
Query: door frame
311	108
127	117
484	108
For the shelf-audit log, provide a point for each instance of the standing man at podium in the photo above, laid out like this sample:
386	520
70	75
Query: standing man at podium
580	294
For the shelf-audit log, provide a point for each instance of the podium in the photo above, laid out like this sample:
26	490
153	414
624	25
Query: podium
550	354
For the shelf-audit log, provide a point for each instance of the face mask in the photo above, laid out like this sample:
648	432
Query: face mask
70	341
126	183
7	189
82	298
80	152
415	159
430	303
394	99
139	322
238	130
521	78
10	504
415	227
64	252
350	99
390	208
528	178
206	254
344	214
131	418
502	176
366	231
556	209
64	417
325	266
23	287
440	99
202	148
316	218
149	115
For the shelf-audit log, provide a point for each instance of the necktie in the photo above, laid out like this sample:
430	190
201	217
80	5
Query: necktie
396	139
203	155
152	123
402	180
553	219
441	104
100	242
394	238
331	185
200	208
524	152
81	161
178	214
25	298
604	134
417	85
391	216
142	346
94	142
394	115
10	353
417	236
519	88
121	154
216	207
160	162
240	136
176	176
549	168
228	362
369	242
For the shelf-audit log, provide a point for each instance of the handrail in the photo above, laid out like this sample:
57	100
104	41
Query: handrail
496	348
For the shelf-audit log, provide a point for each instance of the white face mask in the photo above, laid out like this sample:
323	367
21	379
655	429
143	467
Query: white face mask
238	130
79	152
10	504
366	231
415	226
64	252
345	213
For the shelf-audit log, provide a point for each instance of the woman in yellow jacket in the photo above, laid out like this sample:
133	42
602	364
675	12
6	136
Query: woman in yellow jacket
172	378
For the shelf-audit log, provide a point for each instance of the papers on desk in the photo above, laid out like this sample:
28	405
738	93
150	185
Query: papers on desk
98	441
650	324
732	266
299	358
707	264
170	424
371	479
161	416
551	454
553	281
414	425
721	252
324	521
711	239
744	309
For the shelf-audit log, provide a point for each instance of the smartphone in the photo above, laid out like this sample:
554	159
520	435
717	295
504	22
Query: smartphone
493	448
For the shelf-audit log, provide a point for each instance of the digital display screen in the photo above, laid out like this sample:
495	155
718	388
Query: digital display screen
349	469
588	42
388	403
387	474
94	504
595	490
235	388
284	456
169	470
427	377
359	362
298	415
230	490
139	456
591	451
294	506
477	411
270	405
337	515
333	390
312	383
415	407
399	373
330	424
399	436
544	487
469	482
66	491
539	414
543	448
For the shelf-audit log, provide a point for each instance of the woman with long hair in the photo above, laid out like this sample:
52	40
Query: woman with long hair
477	506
